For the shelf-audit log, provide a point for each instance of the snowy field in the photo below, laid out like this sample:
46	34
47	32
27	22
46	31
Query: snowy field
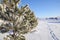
44	31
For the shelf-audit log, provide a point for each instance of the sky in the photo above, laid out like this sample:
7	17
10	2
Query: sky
43	8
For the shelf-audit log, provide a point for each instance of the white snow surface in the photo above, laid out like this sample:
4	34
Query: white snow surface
43	31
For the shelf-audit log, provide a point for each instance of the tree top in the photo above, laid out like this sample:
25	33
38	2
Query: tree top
9	1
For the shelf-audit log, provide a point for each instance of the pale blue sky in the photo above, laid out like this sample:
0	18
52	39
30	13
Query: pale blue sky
43	8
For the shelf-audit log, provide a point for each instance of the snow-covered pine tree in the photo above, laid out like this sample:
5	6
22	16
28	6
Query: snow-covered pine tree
19	20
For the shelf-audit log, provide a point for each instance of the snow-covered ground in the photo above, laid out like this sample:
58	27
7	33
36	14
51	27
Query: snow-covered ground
44	31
